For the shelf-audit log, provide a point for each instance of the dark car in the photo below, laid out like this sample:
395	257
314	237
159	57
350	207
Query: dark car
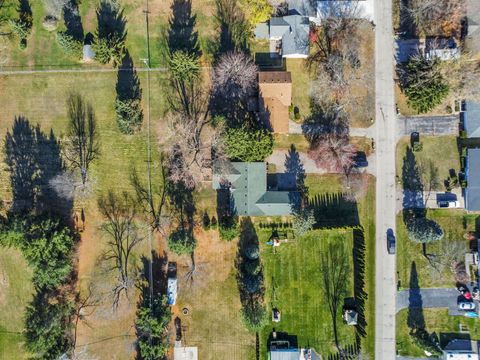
360	159
390	242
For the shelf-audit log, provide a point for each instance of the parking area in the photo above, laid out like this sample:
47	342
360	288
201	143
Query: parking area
407	199
428	125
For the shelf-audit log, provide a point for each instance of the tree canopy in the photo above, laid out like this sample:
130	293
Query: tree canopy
423	230
247	145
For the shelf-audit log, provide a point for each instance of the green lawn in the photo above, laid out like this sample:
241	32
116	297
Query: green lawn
442	150
43	52
437	320
15	293
455	223
293	271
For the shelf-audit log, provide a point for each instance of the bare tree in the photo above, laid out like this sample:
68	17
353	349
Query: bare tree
450	252
68	186
152	199
333	152
82	140
55	8
191	143
430	177
119	213
436	16
356	183
335	269
85	306
234	76
462	76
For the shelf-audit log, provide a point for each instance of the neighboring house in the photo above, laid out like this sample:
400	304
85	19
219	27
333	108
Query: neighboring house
288	36
471	119
275	98
250	193
461	350
442	48
472	171
293	354
354	8
472	40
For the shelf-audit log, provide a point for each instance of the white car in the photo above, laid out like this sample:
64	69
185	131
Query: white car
466	306
448	204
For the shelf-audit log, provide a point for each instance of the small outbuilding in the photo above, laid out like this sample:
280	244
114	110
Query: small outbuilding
350	317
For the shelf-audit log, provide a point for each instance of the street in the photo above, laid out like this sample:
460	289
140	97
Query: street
385	284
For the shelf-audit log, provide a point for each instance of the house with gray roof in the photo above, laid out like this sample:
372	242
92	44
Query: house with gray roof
472	175
288	35
471	119
252	192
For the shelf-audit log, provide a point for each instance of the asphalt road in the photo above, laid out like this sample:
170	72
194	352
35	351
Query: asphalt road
385	285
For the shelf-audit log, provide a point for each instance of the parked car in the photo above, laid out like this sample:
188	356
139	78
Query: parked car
466	305
390	242
360	159
448	204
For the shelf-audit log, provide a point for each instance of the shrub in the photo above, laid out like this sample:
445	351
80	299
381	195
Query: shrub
254	315
69	45
229	234
423	230
181	241
109	50
248	145
417	146
252	252
252	267
213	222
129	115
252	283
423	83
205	221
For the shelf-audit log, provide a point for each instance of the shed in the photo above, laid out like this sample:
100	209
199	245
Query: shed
472	173
285	354
350	317
88	53
171	291
441	48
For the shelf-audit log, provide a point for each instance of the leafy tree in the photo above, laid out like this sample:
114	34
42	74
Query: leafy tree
254	315
22	27
256	11
303	221
152	328
247	145
181	241
47	327
109	44
423	83
69	44
423	230
128	104
47	248
252	252
6	15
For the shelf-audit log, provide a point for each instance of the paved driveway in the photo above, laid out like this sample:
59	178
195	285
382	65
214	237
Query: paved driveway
428	125
408	199
428	298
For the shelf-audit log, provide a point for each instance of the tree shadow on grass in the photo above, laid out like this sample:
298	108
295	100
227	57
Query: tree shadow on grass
359	281
181	33
233	27
333	211
73	21
415	318
326	119
33	159
111	22
128	84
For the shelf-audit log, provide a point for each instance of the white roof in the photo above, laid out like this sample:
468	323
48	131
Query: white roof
361	8
452	355
185	353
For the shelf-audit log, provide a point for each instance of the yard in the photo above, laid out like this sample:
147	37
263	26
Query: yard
455	223
437	321
441	150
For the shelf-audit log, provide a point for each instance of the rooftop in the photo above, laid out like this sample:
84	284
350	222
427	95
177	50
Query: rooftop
247	183
471	119
472	192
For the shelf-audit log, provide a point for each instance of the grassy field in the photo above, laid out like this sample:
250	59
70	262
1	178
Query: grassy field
43	52
439	322
456	223
15	293
442	150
